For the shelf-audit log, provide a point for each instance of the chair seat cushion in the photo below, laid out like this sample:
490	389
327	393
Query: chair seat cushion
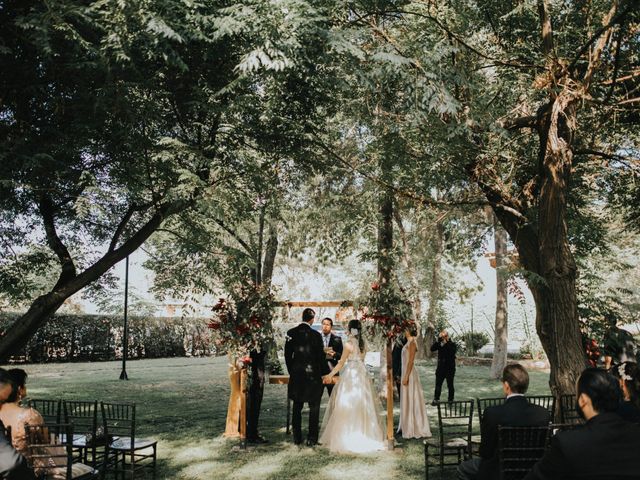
78	470
124	443
450	443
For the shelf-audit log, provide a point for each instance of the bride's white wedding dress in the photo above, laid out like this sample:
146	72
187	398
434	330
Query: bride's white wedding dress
351	423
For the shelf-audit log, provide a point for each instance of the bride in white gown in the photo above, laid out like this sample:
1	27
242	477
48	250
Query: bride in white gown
351	423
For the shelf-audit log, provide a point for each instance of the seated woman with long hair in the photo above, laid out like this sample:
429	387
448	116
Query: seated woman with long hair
628	376
16	416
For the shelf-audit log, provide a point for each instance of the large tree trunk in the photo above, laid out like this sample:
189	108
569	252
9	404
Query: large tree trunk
501	323
385	272
556	303
46	305
434	291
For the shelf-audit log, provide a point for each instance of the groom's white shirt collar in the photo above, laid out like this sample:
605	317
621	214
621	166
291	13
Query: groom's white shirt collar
515	395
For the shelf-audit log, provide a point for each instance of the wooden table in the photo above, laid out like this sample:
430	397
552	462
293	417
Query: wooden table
284	380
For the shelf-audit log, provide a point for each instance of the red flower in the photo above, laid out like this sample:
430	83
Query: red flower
246	359
375	286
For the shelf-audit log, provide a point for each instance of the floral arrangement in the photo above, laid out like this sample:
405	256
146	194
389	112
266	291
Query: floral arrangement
387	314
242	321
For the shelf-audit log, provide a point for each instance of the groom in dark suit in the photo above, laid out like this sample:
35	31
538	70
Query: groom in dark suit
334	344
305	359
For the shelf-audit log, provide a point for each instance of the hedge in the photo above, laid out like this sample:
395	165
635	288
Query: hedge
79	338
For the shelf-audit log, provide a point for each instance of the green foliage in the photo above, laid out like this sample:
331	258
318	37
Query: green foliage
73	338
472	341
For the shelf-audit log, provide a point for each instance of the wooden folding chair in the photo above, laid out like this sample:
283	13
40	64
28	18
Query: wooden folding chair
455	421
519	448
50	453
126	454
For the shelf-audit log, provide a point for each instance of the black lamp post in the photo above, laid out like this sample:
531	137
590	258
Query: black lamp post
125	338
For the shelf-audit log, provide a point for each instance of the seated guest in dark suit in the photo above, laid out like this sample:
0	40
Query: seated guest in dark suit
13	466
628	376
516	411
606	447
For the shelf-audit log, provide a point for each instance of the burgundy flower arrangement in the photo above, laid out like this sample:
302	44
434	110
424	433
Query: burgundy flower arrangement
387	314
242	321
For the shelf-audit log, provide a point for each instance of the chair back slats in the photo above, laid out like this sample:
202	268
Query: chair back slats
545	401
519	448
483	403
49	447
455	419
119	419
83	415
568	413
49	409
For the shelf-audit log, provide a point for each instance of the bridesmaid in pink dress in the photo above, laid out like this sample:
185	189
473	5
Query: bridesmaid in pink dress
414	422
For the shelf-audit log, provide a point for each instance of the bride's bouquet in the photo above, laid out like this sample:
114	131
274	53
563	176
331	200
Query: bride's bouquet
242	321
387	313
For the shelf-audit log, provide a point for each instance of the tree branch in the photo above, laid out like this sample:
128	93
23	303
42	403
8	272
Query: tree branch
458	39
530	121
605	35
237	237
546	28
403	193
123	222
47	211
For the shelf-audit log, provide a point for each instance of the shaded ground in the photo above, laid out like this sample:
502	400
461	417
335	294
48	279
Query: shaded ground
183	402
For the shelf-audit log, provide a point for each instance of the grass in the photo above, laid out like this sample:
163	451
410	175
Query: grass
183	402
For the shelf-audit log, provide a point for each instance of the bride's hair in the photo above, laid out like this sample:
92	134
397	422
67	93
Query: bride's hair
356	325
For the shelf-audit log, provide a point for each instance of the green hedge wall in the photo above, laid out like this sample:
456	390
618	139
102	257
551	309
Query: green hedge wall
69	338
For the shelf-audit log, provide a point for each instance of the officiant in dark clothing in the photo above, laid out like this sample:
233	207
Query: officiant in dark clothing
332	347
305	359
606	447
446	369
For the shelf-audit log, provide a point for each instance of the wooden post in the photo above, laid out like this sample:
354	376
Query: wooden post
389	397
243	407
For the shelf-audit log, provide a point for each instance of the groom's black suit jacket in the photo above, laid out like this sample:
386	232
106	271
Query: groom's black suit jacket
605	448
305	359
514	412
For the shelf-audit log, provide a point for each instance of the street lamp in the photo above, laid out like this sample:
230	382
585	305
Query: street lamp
125	338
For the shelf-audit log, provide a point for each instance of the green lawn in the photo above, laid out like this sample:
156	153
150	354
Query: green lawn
182	402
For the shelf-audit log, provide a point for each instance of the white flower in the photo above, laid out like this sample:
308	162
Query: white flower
623	374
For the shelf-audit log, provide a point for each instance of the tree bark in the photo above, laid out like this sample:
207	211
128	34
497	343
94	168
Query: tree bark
434	291
501	323
557	322
46	305
271	250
